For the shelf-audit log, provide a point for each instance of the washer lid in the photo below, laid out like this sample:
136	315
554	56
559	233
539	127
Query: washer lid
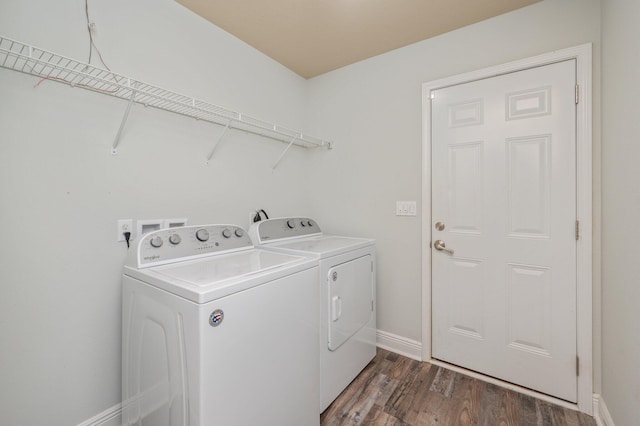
208	271
324	245
205	279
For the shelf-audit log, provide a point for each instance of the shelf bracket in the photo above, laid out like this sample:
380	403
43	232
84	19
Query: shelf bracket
284	152
215	145
114	147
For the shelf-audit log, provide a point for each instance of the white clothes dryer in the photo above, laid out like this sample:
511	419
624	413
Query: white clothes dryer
216	331
347	282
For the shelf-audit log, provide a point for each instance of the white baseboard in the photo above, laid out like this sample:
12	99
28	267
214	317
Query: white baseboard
400	345
109	417
601	412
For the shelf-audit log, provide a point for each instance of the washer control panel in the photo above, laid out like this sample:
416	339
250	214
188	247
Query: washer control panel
285	227
168	245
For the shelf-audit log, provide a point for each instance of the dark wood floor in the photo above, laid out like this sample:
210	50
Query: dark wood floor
394	390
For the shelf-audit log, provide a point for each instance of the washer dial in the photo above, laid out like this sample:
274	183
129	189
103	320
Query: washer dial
156	242
202	235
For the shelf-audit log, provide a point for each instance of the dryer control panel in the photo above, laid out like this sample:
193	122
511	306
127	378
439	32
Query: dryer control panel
188	242
282	228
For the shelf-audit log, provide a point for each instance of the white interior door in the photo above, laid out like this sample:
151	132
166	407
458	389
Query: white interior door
504	200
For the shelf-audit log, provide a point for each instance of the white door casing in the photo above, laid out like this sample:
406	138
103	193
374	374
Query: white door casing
523	169
503	184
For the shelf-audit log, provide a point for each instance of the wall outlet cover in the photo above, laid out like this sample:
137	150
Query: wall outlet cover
124	225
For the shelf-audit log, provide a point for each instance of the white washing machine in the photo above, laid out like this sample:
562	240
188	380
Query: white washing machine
217	332
347	282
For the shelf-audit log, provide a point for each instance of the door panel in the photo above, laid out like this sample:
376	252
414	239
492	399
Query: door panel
466	316
528	174
465	168
529	309
504	185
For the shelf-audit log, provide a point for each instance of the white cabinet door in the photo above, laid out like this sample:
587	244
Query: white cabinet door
504	188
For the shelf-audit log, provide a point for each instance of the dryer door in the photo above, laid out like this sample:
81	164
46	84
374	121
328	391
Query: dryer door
350	299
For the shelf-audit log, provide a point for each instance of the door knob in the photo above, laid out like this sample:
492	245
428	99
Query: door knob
439	226
440	246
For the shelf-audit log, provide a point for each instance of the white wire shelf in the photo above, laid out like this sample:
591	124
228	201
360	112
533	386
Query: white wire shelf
47	65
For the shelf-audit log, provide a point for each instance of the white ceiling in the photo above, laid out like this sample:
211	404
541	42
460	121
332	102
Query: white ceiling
312	37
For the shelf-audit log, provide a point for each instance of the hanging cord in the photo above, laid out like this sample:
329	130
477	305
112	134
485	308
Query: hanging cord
92	45
258	216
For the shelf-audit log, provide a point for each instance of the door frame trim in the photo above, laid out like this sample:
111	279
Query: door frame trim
584	172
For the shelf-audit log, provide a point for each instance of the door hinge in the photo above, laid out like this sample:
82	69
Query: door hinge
577	94
577	230
577	365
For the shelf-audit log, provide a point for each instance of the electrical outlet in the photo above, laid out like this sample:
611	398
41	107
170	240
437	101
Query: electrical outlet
124	225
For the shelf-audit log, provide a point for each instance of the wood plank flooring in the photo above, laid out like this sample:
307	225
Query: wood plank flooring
395	390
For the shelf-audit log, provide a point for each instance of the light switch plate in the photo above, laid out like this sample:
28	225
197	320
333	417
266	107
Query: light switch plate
406	208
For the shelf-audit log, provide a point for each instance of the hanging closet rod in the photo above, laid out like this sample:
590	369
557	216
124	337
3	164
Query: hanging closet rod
47	65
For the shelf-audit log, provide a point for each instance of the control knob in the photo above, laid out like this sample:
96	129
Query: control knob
226	233
239	233
156	242
175	239
202	235
303	223
291	224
